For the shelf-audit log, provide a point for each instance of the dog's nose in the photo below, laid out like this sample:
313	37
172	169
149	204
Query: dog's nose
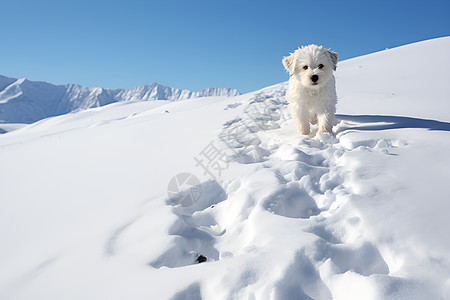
314	78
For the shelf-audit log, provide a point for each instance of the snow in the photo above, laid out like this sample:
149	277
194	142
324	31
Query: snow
404	81
85	212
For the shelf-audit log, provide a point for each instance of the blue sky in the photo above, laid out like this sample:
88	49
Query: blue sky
198	44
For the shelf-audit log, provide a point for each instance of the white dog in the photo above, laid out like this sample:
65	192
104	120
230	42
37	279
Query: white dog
312	93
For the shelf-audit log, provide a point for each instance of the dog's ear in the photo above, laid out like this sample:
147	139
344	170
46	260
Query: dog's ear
334	58
289	63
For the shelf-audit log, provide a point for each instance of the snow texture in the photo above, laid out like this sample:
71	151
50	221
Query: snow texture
361	214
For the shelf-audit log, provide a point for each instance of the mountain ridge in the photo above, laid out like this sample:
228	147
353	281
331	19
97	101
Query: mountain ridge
26	101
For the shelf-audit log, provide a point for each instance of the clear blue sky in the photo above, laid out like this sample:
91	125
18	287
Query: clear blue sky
197	44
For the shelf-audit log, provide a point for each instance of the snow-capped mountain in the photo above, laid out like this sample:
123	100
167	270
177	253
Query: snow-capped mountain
24	101
87	207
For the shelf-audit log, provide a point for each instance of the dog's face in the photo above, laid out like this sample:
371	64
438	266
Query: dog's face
312	66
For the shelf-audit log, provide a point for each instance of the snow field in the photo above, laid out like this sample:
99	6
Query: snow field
358	215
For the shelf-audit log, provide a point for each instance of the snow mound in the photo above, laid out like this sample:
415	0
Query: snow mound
394	82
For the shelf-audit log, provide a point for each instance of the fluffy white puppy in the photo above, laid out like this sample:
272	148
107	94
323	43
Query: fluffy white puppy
312	92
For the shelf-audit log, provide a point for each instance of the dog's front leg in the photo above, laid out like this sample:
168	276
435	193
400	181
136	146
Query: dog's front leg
301	118
325	121
313	119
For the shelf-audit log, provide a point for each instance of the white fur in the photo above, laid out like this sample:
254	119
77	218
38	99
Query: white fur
309	101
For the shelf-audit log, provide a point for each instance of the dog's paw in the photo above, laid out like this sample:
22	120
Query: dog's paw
303	130
325	128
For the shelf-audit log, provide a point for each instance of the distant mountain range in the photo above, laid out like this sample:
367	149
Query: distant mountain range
24	101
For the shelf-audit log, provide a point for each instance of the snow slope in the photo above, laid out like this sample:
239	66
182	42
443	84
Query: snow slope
363	214
24	101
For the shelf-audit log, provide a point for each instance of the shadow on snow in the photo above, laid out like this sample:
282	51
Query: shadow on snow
377	122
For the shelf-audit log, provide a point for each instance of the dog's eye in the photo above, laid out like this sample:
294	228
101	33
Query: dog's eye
320	66
305	67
